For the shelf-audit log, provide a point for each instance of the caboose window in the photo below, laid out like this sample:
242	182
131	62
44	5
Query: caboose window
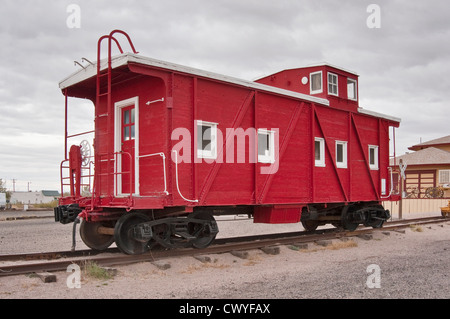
319	151
206	139
351	90
332	84
266	146
128	123
373	157
341	154
315	80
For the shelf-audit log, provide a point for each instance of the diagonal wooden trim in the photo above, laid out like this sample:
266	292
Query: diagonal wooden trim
333	159
278	155
366	161
217	164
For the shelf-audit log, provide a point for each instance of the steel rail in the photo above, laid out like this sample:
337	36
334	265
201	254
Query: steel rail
220	241
220	246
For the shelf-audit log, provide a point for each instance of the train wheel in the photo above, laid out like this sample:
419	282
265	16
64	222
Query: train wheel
91	236
310	225
346	219
123	234
204	233
380	217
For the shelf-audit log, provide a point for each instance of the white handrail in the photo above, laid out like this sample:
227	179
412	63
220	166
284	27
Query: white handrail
176	178
392	184
164	168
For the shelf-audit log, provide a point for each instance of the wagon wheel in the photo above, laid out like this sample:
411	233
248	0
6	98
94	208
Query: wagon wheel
85	149
123	234
93	238
434	192
412	192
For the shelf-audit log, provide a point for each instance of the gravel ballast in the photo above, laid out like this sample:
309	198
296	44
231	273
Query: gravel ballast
413	264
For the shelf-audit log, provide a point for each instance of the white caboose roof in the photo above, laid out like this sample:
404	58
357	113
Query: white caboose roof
123	59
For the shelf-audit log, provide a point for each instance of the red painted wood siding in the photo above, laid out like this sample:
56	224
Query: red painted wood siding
188	98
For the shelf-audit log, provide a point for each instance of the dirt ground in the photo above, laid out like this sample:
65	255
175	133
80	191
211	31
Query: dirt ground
409	264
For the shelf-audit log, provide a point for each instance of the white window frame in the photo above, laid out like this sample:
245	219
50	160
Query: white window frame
203	153
269	156
444	176
374	166
355	89
311	83
334	85
321	161
118	144
342	164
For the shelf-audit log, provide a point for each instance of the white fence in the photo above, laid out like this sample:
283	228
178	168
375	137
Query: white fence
416	207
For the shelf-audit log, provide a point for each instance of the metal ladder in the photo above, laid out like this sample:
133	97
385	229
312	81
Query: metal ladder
101	75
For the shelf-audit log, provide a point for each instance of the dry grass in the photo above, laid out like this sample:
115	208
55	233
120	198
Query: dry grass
342	244
252	260
334	246
193	268
416	228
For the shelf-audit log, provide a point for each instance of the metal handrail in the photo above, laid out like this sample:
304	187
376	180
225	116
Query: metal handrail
94	184
116	173
82	133
176	179
164	167
83	168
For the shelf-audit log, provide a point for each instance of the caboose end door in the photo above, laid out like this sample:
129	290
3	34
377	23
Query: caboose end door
126	147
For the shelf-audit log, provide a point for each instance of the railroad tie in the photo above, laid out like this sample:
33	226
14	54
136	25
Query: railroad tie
46	276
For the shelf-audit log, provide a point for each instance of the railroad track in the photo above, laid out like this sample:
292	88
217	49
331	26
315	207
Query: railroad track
59	261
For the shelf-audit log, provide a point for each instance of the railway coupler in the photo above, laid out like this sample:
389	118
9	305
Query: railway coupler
66	214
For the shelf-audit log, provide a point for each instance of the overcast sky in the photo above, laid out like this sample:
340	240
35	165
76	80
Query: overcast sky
404	65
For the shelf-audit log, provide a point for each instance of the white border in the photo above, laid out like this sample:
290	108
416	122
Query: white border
118	144
337	84
373	166
267	158
356	89
311	82
124	59
204	153
321	161
91	70
342	164
378	115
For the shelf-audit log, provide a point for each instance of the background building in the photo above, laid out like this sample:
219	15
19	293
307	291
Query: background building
428	169
38	197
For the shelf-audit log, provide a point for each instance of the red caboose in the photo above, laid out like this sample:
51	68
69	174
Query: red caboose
175	146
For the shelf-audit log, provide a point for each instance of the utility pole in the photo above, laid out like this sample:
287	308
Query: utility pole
402	167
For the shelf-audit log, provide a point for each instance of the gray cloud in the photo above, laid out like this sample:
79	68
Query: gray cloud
403	66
